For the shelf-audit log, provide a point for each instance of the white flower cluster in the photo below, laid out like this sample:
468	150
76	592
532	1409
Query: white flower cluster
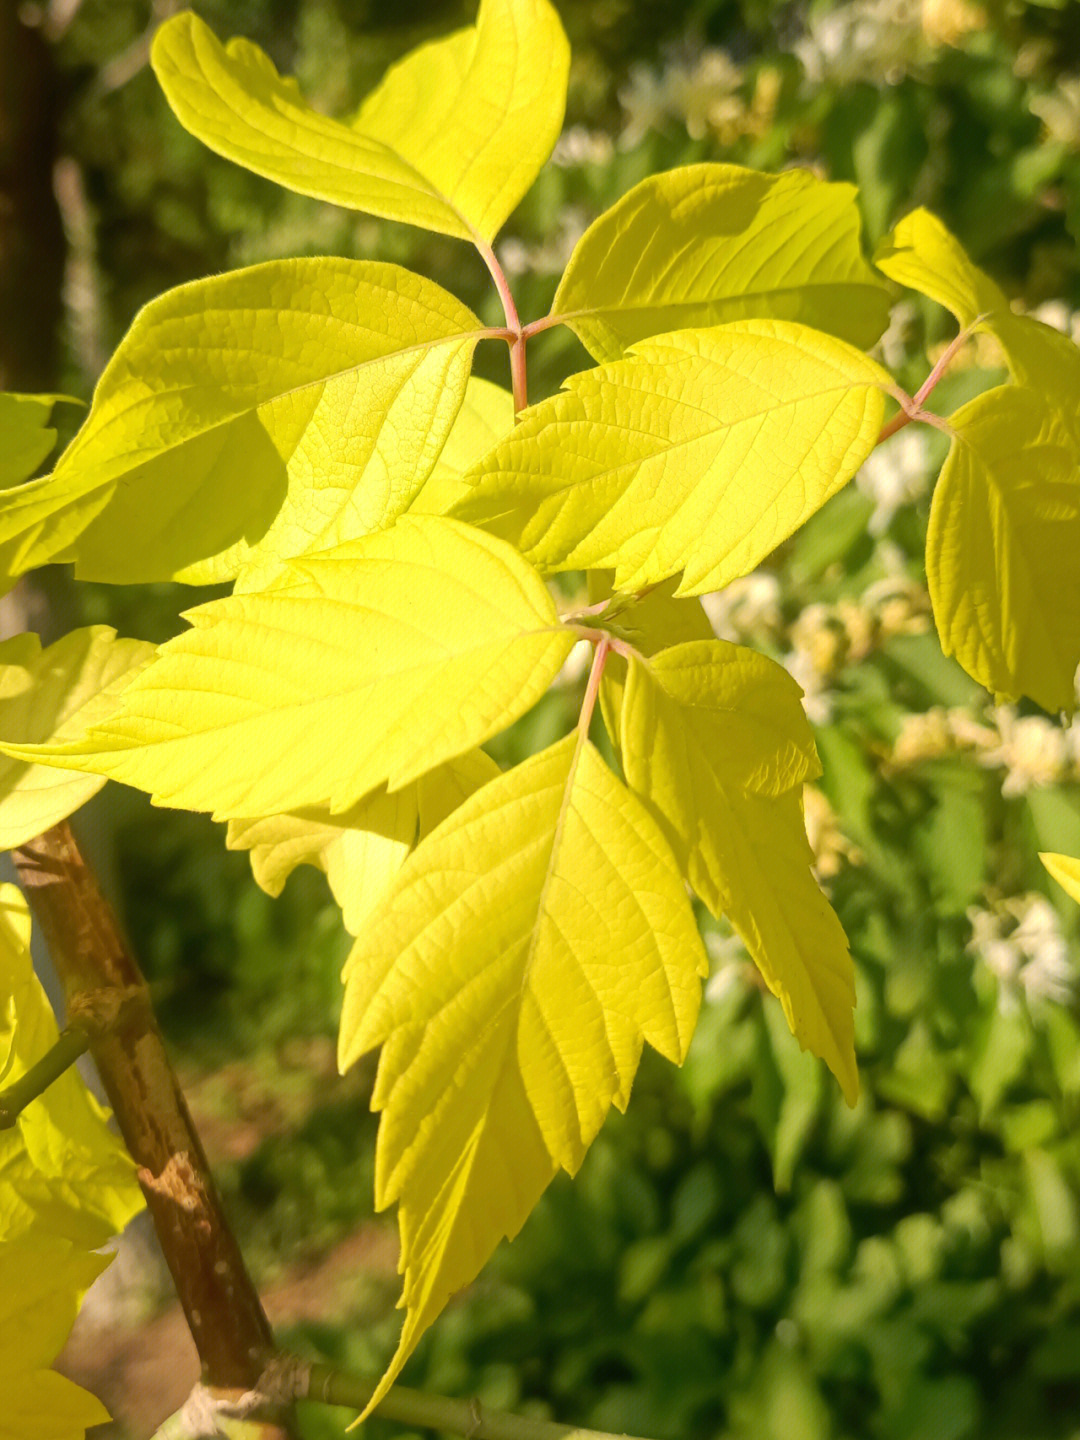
869	40
1020	942
1060	111
895	474
700	93
1033	750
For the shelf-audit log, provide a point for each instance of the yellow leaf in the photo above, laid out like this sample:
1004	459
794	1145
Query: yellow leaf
1066	871
450	140
706	244
922	254
60	1166
25	436
264	413
383	658
55	694
362	849
486	415
40	519
42	1281
1002	547
700	452
522	955
715	741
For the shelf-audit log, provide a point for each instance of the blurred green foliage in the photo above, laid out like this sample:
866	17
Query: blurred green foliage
741	1255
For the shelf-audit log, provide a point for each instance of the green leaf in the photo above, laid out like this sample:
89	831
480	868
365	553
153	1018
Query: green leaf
714	739
25	436
1066	871
486	415
700	452
257	415
450	140
362	849
1002	547
706	244
55	694
60	1166
507	1031
40	519
922	254
372	662
42	1281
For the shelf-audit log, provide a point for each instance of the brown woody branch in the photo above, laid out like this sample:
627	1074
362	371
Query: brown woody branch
223	1310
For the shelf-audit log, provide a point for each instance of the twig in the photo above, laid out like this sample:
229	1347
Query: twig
72	1043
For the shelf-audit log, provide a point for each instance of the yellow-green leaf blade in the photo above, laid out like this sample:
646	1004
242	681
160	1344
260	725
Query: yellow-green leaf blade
486	415
1066	871
256	415
55	694
507	1031
1002	547
384	657
42	1282
738	833
922	254
707	244
60	1166
450	140
25	435
40	519
700	452
361	849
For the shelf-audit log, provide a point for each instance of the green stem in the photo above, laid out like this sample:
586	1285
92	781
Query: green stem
71	1043
437	1412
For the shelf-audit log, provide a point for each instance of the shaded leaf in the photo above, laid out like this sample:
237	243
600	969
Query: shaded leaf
55	694
25	435
1002	547
60	1166
361	849
260	414
725	784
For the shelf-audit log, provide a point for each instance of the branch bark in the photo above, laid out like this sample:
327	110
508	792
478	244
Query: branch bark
223	1310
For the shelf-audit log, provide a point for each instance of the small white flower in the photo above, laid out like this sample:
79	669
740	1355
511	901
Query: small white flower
1021	944
1033	751
748	604
582	146
894	475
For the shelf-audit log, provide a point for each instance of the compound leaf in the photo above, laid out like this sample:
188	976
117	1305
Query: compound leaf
922	254
380	659
257	415
707	244
450	140
60	1165
524	952
715	741
363	848
701	451
56	694
1002	547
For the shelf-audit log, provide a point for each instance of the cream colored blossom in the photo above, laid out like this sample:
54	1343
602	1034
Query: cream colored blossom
1032	750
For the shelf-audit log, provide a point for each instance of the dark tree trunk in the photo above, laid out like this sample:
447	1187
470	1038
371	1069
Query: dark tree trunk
31	235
